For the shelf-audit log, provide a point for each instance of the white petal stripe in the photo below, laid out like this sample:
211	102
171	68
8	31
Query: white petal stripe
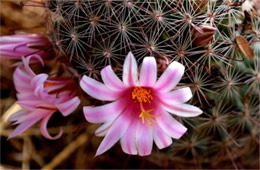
115	132
178	96
148	74
182	110
130	76
170	126
171	77
110	79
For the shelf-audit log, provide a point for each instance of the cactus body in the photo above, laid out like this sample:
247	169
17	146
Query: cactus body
221	69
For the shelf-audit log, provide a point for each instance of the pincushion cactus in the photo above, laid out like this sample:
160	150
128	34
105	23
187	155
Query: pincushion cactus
217	42
202	35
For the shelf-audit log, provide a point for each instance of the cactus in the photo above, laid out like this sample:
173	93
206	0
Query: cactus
216	40
202	35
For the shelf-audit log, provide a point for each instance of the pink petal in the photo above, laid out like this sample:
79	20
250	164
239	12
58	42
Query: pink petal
128	140
161	139
24	38
22	81
22	75
26	96
44	130
13	39
31	115
38	80
15	46
111	80
40	92
32	104
182	110
148	73
178	96
98	90
130	75
144	139
107	112
38	84
14	51
171	77
102	130
23	126
170	125
68	107
17	115
115	132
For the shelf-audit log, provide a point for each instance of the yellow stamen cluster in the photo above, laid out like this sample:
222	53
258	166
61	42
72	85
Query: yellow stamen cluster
147	117
143	95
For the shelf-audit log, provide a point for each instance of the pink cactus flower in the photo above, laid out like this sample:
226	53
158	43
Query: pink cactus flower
16	46
141	105
40	97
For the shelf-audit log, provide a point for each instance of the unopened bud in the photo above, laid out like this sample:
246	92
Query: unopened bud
162	63
205	35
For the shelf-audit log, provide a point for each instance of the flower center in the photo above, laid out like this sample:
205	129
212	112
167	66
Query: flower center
143	95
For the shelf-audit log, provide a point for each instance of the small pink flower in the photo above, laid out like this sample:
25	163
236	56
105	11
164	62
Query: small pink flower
17	46
139	113
40	97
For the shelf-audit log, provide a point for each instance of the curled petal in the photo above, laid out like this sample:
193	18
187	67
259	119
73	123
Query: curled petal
111	80
130	76
68	107
26	62
161	139
144	139
171	77
170	126
107	112
115	132
148	72
182	110
178	96
128	140
98	90
23	126
41	92
44	130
